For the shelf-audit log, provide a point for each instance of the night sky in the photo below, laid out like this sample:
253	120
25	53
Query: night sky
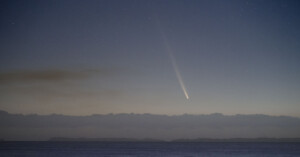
81	57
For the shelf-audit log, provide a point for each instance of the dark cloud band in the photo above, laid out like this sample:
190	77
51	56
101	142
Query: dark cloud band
51	75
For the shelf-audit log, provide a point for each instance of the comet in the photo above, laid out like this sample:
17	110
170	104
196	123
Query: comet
178	75
173	60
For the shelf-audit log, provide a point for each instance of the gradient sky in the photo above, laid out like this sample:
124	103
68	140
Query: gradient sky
83	57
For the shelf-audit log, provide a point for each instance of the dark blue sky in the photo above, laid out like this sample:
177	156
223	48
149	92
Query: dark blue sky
234	56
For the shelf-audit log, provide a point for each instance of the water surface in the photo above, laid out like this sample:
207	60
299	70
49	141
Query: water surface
145	149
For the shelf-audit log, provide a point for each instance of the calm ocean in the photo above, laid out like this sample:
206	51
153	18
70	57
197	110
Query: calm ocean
144	149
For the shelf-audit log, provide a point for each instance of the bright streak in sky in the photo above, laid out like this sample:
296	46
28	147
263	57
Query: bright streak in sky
173	60
178	75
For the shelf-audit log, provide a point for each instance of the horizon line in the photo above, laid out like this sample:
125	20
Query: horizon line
128	139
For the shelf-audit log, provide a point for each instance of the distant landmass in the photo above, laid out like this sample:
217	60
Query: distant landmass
211	127
240	140
177	140
105	139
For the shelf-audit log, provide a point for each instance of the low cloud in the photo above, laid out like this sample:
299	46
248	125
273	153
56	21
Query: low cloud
47	91
26	127
49	75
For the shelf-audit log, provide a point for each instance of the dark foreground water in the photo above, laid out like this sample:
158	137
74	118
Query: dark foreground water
143	149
